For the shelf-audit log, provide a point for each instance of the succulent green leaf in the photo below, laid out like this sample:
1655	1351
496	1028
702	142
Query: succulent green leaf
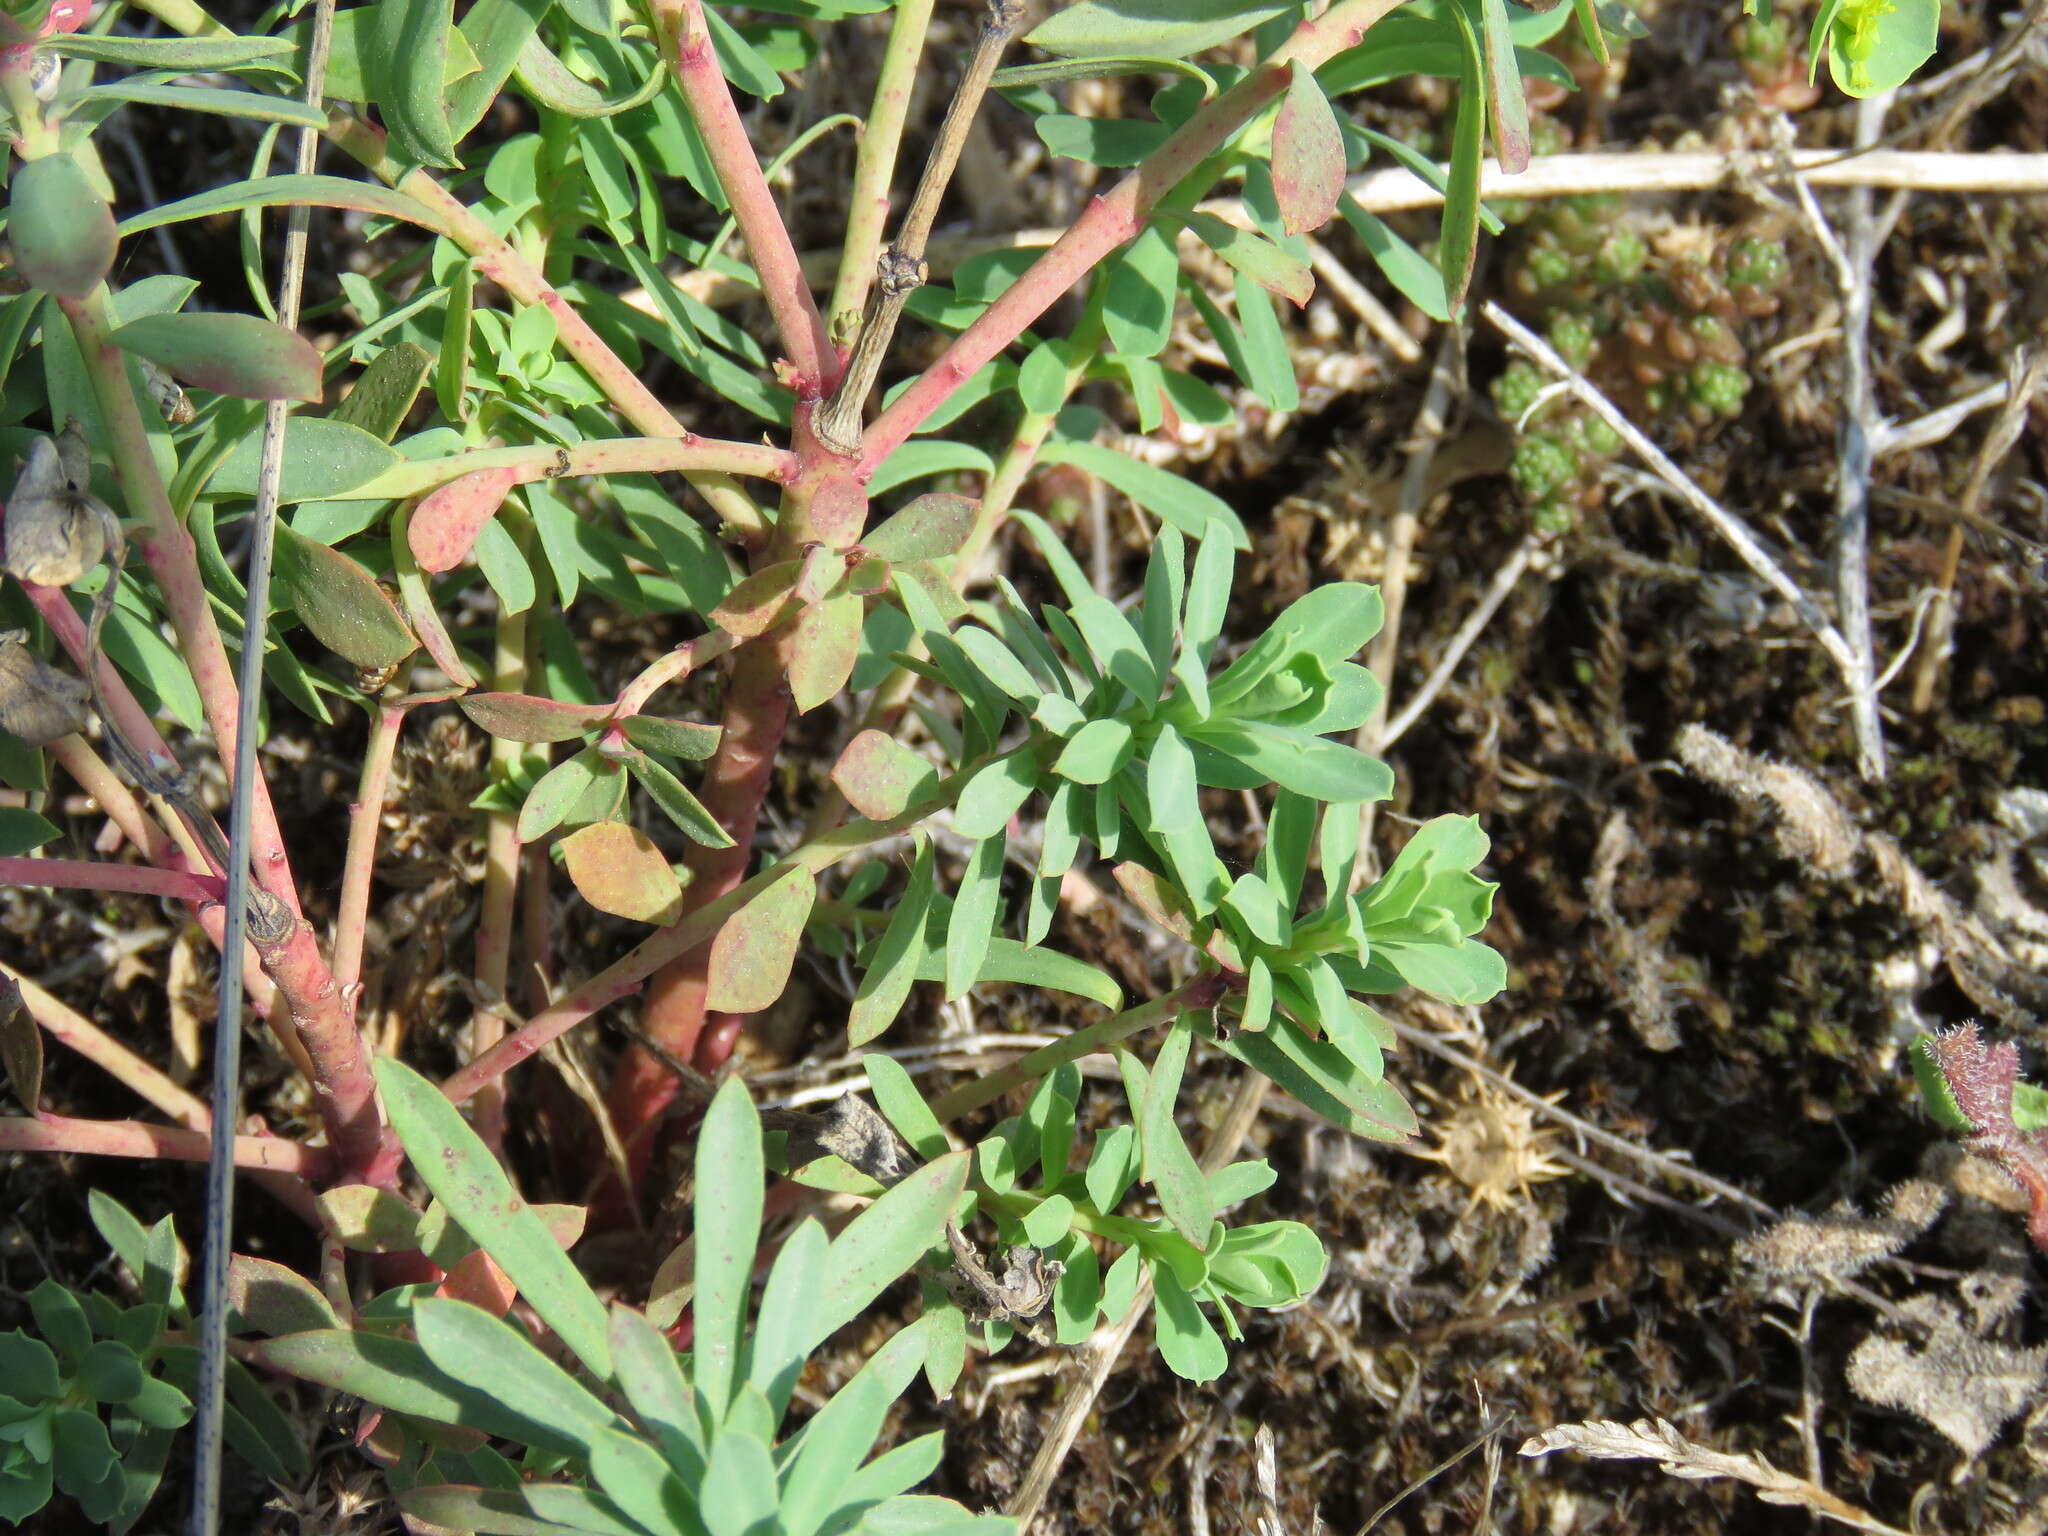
997	792
556	794
340	602
1188	1342
1170	1167
61	228
929	528
976	907
240	355
885	1240
526	717
465	1177
886	985
1095	29
881	777
690	814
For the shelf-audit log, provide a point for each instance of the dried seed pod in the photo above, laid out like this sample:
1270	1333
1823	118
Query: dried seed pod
57	530
38	704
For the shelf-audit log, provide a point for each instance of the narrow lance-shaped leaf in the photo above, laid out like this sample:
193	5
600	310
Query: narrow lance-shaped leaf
691	816
890	975
1510	113
1175	1175
1256	257
464	1176
1308	154
525	717
408	67
1460	239
728	1216
751	957
1150	28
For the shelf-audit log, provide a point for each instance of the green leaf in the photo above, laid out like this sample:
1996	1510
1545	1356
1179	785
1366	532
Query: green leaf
288	191
396	1374
236	355
1096	752
823	647
1164	494
1318	1074
527	717
523	1511
640	1482
929	528
60	227
839	1436
922	457
998	663
976	907
269	1298
340	602
556	793
781	1339
686	739
1030	966
1459	240
897	1097
738	1496
1308	154
647	1372
754	950
28	1367
1169	1166
185	55
728	1217
677	803
1152	28
1505	104
1256	257
1177	822
1188	1343
471	1346
1138	291
1308	765
22	830
1113	1166
885	1240
323	457
466	1178
406	71
383	394
886	985
1876	45
997	792
1419	279
257	106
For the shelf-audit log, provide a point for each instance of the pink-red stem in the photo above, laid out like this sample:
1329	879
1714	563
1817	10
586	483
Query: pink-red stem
86	875
1110	220
135	1138
687	39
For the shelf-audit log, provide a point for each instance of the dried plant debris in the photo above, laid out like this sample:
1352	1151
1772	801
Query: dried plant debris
1021	1296
1815	830
1659	1441
21	1046
1954	1379
1842	1241
38	704
57	530
1635	965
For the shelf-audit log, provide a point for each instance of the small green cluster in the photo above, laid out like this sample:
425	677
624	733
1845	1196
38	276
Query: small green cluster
1655	327
93	1398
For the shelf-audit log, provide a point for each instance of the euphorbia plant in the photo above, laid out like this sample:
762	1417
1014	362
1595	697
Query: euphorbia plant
476	470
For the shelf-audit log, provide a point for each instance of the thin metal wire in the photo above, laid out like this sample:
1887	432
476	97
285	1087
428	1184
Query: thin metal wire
210	1408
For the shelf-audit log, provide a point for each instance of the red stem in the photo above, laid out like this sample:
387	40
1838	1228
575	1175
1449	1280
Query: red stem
87	875
1110	220
687	39
135	1138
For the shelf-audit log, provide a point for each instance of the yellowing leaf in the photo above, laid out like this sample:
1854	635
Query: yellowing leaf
751	957
617	869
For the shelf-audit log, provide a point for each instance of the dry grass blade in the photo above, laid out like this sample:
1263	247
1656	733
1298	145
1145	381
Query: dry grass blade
1659	1441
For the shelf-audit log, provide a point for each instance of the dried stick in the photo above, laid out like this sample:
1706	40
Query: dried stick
902	267
2027	372
1468	633
1732	529
1397	190
1849	542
